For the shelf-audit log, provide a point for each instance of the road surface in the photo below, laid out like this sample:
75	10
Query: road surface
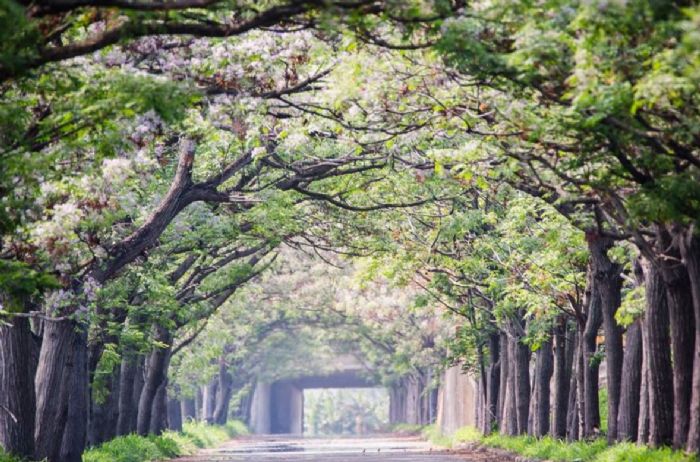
284	449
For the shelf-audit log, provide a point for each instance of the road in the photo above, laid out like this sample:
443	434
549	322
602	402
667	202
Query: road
283	449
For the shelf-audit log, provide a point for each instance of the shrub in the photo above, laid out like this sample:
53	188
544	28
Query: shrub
135	448
129	448
407	429
204	435
467	435
433	434
560	451
235	428
4	457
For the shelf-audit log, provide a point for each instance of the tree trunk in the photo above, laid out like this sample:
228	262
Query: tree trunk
155	376
643	429
521	376
608	282
127	406
104	414
493	382
60	367
589	405
680	308
690	250
17	398
209	398
479	405
562	373
503	378
510	413
543	375
628	412
198	404
575	390
75	431
224	391
659	370
174	415
188	409
159	410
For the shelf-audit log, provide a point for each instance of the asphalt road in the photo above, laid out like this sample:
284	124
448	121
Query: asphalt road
279	449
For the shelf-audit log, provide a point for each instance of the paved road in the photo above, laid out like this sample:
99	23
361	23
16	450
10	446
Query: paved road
282	449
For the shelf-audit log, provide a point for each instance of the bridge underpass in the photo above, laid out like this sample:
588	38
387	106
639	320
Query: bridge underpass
278	408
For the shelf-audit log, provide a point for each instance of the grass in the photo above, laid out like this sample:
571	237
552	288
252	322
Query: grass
407	429
135	448
561	451
8	458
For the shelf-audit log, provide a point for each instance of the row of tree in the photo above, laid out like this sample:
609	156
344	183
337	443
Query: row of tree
533	168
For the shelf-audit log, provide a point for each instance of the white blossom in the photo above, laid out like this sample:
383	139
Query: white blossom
116	170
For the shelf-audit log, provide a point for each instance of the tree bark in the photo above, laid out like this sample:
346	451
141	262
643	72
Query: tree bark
159	410
680	308
521	376
575	390
659	371
188	409
690	250
589	405
510	414
17	398
503	378
543	375
75	432
127	406
103	415
198	404
209	398
562	373
224	391
174	415
643	429
59	367
608	283
493	382
628	412
155	376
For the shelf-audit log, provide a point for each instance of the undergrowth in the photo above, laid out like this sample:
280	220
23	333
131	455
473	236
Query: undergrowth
7	458
135	448
407	429
551	449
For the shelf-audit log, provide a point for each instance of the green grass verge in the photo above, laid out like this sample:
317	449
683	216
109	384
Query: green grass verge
561	451
135	448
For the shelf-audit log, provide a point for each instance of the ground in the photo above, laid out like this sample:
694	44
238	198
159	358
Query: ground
374	449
